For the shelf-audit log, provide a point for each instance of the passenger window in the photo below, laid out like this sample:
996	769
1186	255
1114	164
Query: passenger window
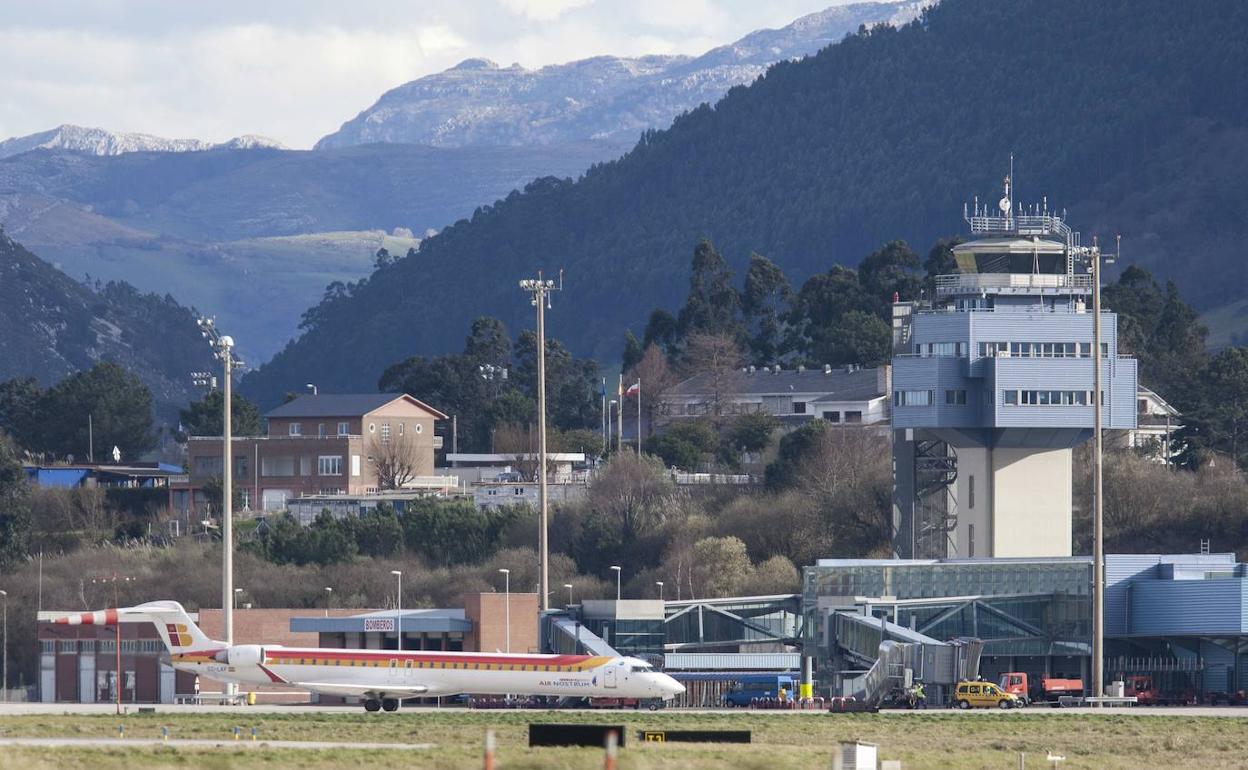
974	689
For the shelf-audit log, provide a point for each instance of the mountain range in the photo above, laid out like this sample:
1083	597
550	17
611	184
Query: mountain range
256	233
98	141
1122	114
51	326
603	98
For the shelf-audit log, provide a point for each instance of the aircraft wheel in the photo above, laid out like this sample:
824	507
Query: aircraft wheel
372	704
390	704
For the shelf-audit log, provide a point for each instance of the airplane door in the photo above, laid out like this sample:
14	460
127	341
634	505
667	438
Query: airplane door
394	670
608	678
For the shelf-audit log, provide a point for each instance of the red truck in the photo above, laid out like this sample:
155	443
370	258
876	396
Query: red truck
1044	689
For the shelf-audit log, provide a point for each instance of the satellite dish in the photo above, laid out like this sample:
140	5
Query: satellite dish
1004	205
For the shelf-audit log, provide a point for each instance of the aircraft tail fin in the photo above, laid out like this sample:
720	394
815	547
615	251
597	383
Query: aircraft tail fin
176	629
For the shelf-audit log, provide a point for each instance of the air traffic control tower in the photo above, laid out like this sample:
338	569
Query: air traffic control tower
993	387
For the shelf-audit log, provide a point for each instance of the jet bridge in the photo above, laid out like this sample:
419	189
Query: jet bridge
894	657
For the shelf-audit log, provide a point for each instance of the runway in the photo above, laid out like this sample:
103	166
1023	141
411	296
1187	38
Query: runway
102	709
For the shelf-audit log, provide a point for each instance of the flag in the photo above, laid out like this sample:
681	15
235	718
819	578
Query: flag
634	389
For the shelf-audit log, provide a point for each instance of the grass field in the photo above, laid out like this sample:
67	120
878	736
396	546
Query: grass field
929	740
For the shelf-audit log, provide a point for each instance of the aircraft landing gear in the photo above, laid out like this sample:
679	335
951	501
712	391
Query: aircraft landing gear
390	704
372	704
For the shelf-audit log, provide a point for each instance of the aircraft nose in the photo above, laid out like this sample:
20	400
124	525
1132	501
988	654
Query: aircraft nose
670	687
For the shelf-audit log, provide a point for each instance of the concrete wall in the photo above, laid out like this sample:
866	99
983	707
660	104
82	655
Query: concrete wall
1031	500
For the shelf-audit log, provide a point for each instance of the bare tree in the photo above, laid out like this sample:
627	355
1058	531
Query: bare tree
396	460
519	444
657	378
716	358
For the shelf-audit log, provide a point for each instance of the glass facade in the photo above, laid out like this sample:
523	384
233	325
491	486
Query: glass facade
1022	607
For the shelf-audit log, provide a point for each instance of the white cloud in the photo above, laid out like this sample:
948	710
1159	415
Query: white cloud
543	10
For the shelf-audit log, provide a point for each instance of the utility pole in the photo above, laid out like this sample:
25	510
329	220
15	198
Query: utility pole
223	348
540	289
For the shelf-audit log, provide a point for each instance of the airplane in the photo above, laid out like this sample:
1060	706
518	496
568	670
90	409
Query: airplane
380	678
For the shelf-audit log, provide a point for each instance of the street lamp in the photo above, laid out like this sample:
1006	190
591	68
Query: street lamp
5	675
618	571
329	597
237	591
569	587
507	603
541	289
310	386
398	609
659	583
223	349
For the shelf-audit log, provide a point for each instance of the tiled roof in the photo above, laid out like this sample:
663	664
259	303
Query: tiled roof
341	405
836	385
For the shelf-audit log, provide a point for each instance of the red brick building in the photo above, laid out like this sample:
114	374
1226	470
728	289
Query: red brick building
316	445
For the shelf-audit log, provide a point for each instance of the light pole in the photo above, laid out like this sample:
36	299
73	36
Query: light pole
329	598
507	604
1098	531
659	583
237	591
541	289
312	387
398	609
569	587
618	571
5	674
223	348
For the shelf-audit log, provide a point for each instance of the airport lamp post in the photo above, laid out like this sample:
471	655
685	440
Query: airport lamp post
569	587
237	591
540	289
329	598
223	348
507	604
1098	530
659	583
618	571
5	675
398	610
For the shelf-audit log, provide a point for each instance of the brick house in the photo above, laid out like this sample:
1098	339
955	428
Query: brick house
316	445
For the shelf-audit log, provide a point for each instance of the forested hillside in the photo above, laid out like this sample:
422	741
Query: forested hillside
52	326
1123	110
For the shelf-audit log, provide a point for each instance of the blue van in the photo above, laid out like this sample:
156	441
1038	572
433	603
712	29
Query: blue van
746	687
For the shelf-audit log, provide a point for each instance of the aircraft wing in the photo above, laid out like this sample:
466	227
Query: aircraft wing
362	690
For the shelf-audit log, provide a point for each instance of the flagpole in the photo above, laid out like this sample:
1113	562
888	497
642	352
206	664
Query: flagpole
619	440
605	445
639	417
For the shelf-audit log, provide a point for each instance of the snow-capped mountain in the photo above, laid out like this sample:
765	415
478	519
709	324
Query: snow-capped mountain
478	102
98	141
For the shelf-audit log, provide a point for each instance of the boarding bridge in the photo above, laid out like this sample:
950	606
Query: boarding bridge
896	656
568	636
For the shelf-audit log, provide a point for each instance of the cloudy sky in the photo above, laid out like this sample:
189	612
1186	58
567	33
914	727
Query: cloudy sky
296	69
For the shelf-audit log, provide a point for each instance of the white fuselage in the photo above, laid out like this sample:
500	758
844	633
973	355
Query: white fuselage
389	673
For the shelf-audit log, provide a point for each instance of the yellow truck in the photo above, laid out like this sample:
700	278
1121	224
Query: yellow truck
984	695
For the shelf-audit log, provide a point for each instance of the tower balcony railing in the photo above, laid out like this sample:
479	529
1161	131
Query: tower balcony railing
1003	283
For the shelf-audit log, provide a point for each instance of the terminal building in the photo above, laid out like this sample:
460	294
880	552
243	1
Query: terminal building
993	388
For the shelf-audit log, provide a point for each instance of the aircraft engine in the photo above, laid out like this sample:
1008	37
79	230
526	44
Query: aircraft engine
241	655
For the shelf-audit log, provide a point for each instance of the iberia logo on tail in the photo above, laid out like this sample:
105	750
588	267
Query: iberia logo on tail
178	636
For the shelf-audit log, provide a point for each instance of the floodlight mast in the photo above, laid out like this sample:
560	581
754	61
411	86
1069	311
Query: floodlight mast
541	288
223	350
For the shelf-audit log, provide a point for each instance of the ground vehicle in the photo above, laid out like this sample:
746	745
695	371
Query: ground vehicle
748	687
1142	688
1042	689
625	703
984	695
